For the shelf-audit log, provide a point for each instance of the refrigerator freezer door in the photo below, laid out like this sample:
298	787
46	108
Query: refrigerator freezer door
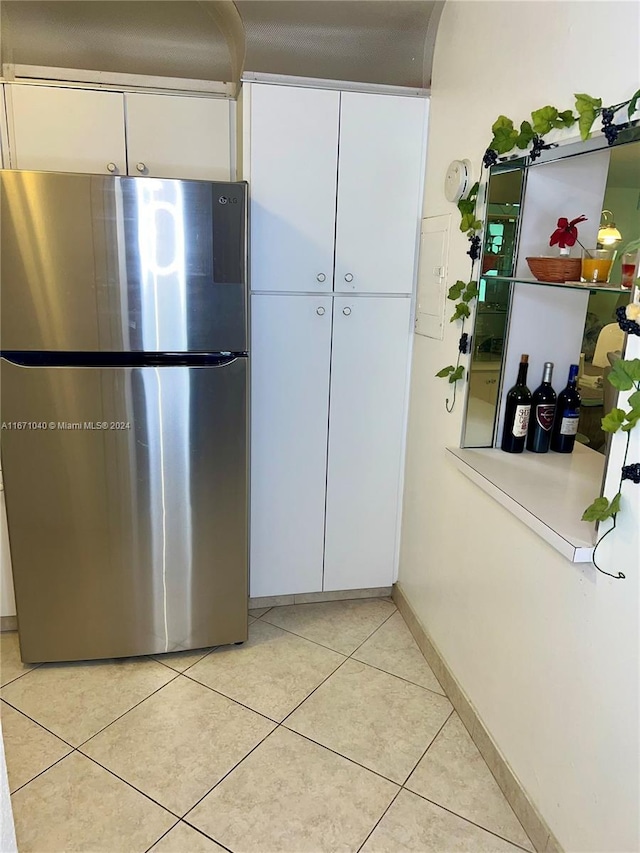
127	507
100	263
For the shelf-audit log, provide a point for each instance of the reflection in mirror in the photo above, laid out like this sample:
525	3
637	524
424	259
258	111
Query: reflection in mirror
501	225
603	339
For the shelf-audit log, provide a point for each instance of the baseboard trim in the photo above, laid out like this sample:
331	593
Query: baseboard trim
8	623
532	821
311	597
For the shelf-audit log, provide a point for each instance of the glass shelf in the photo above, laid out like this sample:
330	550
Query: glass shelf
572	285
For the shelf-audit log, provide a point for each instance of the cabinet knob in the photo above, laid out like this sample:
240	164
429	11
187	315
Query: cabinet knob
346	311
111	167
348	277
141	167
320	311
321	276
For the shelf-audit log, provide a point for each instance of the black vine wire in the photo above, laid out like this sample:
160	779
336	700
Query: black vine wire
620	575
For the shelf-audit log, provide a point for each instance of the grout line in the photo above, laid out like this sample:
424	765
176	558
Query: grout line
317	687
231	699
346	758
130	784
37	723
244	758
402	678
186	651
300	637
33	667
375	630
431	742
209	837
468	820
95	734
262	614
162	836
375	826
43	771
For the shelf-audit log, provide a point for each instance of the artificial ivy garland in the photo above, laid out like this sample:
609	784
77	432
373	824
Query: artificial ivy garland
625	374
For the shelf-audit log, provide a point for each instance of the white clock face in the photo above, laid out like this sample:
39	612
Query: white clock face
456	180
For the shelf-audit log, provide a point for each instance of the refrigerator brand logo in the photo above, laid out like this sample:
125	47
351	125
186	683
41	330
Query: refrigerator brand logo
224	199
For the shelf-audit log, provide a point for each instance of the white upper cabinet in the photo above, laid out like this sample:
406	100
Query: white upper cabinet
67	130
172	136
366	429
382	142
290	355
294	161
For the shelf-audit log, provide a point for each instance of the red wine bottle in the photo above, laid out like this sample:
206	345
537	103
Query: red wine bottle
543	410
565	425
517	411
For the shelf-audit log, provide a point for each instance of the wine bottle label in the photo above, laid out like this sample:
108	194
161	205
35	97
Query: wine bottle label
521	421
569	424
544	415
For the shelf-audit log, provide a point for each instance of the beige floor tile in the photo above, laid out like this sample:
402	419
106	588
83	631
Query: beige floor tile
340	625
184	839
393	649
374	718
178	743
412	825
29	748
10	664
454	775
76	700
258	612
181	661
271	673
76	807
293	796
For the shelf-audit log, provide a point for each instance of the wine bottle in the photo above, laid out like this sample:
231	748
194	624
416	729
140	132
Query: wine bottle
517	411
543	409
565	426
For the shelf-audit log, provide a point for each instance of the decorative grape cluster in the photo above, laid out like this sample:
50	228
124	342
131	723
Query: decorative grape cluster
463	343
631	327
490	158
632	472
611	130
474	248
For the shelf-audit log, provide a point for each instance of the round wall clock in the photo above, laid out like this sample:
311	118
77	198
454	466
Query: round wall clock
457	181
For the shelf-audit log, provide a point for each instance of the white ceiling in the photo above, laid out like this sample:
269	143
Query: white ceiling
373	41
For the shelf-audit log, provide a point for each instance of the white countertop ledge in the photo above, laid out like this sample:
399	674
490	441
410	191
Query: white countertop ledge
547	491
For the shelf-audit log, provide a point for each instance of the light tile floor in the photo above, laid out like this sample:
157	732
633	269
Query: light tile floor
327	732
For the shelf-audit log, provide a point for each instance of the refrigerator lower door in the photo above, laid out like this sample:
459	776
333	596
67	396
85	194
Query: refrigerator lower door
126	497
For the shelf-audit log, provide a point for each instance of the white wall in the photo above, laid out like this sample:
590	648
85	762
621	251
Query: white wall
546	650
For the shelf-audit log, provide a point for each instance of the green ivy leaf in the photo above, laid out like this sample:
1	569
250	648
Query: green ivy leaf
586	107
632	419
625	373
543	119
525	136
504	135
466	206
456	289
458	373
584	102
613	420
595	510
601	509
634	400
633	104
565	119
501	123
466	223
461	312
445	371
470	292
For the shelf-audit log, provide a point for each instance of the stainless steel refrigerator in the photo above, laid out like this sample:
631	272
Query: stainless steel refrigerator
124	403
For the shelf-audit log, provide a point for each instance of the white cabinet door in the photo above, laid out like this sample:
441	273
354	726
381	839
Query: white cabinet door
366	433
294	151
380	191
291	346
170	136
67	130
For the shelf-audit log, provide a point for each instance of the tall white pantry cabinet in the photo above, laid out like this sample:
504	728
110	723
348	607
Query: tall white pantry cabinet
336	191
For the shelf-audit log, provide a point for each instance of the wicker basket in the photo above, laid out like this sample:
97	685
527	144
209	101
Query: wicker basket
555	269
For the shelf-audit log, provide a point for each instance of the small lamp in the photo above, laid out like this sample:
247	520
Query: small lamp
608	234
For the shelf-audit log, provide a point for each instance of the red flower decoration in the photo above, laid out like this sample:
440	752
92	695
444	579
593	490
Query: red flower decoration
566	233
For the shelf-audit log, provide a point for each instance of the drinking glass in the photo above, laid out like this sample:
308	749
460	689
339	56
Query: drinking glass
629	262
596	265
